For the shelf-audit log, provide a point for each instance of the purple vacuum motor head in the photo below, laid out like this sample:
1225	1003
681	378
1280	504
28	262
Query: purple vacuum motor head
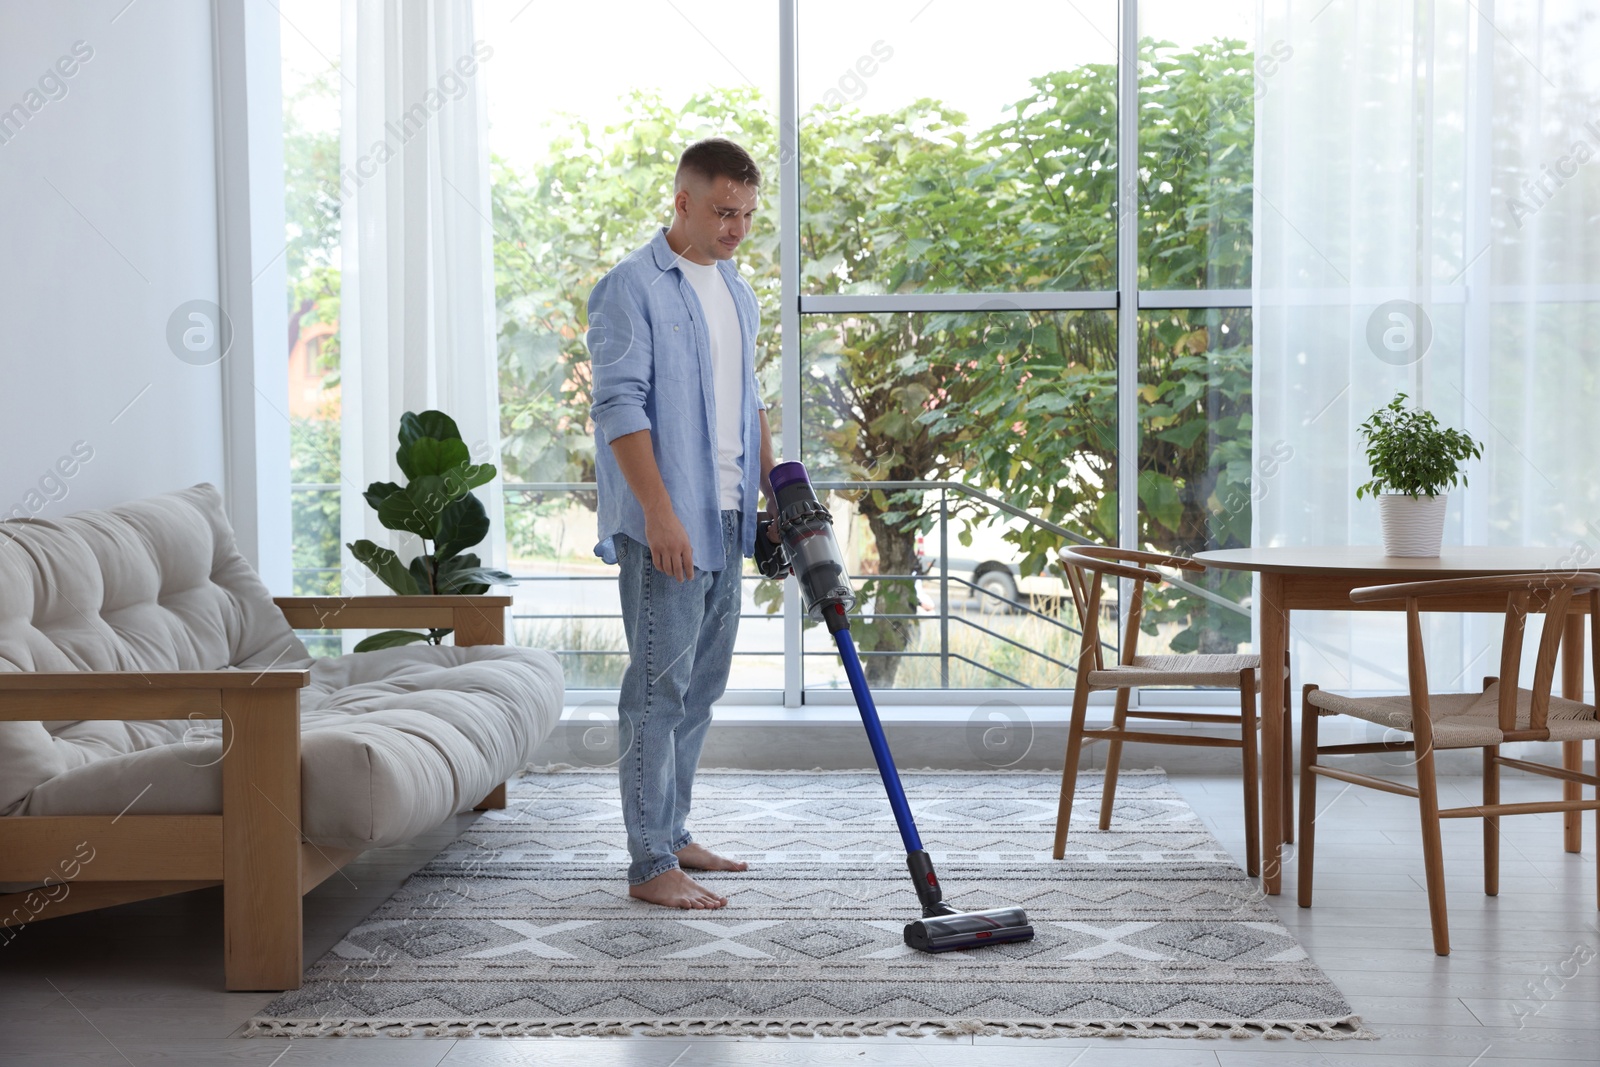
814	555
786	476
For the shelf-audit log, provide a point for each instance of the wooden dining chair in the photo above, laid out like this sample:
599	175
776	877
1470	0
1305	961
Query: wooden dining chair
1501	713
1086	569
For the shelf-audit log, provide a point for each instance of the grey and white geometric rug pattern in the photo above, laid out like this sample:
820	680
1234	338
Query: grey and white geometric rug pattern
523	926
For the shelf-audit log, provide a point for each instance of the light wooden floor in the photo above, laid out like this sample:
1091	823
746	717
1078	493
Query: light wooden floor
140	985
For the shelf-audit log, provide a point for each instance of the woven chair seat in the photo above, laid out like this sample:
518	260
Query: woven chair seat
1203	669
1463	720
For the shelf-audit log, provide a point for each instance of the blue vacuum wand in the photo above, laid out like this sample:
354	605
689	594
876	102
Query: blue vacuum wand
810	552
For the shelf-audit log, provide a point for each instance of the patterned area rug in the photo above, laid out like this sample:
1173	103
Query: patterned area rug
523	925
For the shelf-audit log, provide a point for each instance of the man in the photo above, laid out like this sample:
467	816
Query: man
682	445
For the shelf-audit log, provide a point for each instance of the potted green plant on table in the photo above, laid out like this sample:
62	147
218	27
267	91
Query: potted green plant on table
437	505
1414	462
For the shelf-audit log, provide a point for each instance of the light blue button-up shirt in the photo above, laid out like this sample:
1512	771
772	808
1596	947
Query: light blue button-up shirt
650	351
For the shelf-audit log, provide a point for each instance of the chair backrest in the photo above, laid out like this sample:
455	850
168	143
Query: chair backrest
1522	594
1086	567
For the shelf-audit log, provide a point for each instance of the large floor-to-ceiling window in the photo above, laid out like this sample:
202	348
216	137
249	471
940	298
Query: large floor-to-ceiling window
1003	259
586	124
957	245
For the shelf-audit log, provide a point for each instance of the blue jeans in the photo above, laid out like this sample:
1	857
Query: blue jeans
680	644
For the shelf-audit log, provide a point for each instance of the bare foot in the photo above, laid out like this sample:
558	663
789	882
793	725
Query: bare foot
697	857
674	889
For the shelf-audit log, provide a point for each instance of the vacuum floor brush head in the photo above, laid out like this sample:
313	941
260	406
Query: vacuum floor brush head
969	929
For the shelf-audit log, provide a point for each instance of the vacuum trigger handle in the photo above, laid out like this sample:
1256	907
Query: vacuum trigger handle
772	558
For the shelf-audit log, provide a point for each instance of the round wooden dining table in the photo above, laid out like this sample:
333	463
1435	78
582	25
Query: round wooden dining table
1320	578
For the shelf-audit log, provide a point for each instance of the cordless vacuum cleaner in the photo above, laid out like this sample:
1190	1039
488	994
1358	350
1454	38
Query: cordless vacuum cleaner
809	551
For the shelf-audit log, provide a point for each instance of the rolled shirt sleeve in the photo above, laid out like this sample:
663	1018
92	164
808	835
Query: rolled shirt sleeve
620	359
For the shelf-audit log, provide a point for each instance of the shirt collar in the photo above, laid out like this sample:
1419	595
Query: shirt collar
667	259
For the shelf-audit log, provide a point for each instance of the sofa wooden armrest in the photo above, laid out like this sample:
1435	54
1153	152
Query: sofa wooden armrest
476	620
142	681
253	848
112	688
70	696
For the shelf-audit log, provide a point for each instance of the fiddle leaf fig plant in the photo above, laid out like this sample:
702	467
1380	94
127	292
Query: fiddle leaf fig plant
1410	453
437	505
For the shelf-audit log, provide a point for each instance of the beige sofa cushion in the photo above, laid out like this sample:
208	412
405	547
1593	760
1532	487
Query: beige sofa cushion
393	742
153	585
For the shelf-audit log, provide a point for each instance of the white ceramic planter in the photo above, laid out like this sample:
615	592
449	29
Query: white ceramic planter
1412	526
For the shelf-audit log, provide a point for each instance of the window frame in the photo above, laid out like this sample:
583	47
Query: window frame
1126	299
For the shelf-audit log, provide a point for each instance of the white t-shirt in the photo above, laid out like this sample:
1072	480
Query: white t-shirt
727	382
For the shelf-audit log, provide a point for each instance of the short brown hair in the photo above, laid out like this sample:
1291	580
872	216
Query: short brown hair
717	157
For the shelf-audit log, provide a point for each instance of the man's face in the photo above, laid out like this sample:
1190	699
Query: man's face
716	214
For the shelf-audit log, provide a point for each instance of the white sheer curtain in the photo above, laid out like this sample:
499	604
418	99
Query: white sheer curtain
1445	156
417	303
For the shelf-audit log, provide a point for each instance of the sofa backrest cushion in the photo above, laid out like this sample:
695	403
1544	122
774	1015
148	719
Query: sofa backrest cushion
152	585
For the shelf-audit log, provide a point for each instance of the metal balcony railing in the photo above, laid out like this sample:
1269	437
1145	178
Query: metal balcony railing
937	577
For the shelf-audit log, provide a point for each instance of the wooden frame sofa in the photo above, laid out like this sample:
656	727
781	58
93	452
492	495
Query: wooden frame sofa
255	847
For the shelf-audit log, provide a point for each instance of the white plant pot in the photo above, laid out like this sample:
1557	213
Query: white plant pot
1412	526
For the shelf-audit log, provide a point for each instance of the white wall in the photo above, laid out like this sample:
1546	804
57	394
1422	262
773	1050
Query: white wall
109	181
108	222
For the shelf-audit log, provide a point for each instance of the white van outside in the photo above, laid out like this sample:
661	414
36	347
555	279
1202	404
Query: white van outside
991	563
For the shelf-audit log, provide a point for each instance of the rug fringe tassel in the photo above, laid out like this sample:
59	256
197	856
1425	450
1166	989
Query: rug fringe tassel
1346	1029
